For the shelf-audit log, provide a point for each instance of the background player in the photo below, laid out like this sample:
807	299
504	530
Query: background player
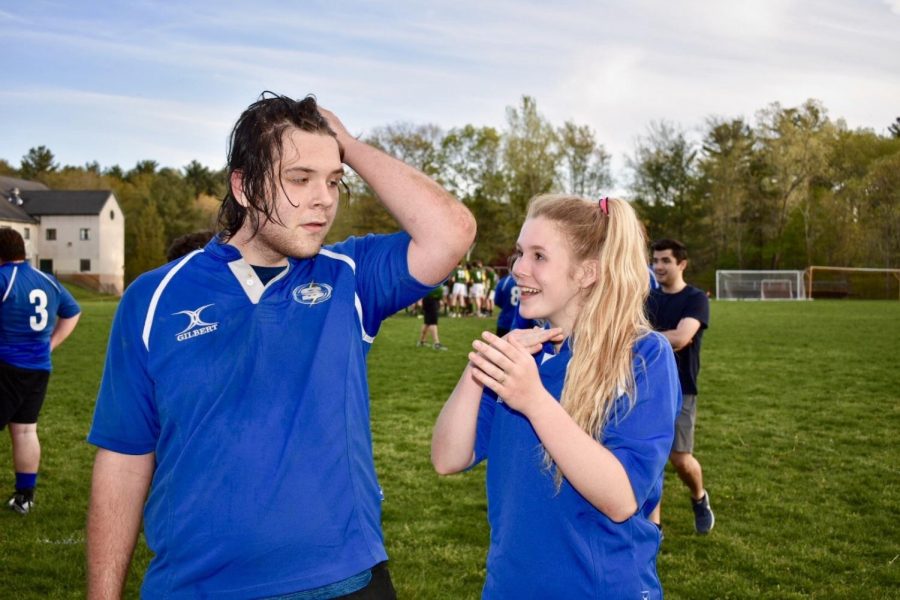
681	313
188	243
477	289
489	290
506	297
431	308
459	292
36	315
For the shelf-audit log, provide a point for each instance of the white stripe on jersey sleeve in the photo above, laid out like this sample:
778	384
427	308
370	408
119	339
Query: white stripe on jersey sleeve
336	256
365	336
151	310
50	279
359	311
12	280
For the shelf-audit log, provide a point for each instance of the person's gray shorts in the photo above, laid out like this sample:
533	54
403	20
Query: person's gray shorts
684	425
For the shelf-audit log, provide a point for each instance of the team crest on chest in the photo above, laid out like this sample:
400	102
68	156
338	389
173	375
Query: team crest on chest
312	293
196	326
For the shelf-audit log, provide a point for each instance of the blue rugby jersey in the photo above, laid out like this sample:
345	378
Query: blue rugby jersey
654	283
31	302
255	400
506	298
549	545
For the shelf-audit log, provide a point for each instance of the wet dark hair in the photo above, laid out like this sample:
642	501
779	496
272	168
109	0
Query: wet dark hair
12	246
255	149
679	251
188	243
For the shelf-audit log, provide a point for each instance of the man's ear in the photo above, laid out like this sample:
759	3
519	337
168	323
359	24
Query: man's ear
237	187
588	273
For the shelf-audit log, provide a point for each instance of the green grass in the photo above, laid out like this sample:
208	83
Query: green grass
797	434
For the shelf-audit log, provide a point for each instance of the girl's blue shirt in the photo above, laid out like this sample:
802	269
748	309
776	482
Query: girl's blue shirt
549	544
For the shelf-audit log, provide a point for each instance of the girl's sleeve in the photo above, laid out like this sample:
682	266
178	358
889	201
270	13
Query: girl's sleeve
641	439
485	424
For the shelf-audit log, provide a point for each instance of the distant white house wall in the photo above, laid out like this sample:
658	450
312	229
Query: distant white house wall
60	243
111	226
87	248
28	232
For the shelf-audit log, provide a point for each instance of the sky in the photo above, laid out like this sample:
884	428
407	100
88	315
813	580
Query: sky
122	82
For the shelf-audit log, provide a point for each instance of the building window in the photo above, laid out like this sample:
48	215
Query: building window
85	265
112	215
51	235
84	234
27	234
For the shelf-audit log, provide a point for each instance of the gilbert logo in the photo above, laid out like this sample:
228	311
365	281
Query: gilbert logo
312	293
197	326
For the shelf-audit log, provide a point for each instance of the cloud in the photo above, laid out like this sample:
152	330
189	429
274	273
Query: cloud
187	70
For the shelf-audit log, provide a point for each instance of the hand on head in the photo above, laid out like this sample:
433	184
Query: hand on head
336	125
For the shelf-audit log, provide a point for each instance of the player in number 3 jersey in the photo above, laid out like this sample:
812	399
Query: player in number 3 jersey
36	315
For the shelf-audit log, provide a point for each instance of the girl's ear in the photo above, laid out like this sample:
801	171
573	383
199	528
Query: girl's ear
588	273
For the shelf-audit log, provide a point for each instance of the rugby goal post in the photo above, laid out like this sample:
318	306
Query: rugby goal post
760	285
847	282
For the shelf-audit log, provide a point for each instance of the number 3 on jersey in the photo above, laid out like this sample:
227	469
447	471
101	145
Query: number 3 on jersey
39	299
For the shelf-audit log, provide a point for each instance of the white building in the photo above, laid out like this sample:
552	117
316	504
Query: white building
78	236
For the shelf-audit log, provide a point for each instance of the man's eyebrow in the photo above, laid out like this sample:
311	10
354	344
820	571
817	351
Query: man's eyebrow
338	171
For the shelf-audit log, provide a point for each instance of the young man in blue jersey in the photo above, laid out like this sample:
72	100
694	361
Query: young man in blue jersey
235	387
681	313
36	315
506	297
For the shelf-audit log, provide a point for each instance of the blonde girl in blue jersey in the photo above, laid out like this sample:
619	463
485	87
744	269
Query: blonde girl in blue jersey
575	421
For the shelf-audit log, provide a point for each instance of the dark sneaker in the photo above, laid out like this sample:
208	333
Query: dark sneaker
439	347
420	344
20	503
704	519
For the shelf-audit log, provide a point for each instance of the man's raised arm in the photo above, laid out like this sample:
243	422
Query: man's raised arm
441	227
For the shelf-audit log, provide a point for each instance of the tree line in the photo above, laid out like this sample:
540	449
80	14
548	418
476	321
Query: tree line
789	189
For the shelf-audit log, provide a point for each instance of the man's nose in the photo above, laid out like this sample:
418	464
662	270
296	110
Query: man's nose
322	195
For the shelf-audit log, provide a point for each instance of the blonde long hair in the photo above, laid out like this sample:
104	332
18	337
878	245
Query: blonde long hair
612	317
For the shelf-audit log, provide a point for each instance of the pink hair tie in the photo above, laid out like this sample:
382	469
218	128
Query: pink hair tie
604	205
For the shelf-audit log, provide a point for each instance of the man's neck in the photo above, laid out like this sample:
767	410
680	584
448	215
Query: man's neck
255	254
675	287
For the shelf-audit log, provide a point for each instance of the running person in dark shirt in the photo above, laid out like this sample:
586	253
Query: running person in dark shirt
681	313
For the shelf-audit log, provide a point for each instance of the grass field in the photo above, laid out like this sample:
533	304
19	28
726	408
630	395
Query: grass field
797	434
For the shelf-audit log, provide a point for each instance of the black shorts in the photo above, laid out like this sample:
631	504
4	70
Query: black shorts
431	307
380	587
22	394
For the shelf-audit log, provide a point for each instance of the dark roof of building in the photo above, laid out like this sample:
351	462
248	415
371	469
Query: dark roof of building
62	202
10	211
7	184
